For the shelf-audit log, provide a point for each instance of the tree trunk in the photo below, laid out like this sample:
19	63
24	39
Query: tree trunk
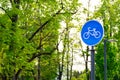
86	64
39	68
14	19
71	65
61	64
4	78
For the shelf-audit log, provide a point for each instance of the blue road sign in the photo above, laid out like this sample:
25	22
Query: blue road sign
92	33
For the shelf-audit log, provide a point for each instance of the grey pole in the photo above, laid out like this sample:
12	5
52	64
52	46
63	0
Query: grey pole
92	64
105	56
105	60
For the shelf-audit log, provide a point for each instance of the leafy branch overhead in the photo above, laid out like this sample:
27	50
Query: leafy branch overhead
32	31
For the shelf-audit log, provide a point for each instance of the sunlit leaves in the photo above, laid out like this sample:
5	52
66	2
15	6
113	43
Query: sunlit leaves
17	25
108	13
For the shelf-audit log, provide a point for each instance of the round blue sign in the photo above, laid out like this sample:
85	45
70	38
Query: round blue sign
92	33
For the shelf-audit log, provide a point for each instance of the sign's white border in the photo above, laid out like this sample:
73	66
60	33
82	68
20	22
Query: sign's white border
99	40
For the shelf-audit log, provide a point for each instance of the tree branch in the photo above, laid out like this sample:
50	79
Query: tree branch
2	25
32	36
6	12
37	55
11	1
44	53
40	28
33	57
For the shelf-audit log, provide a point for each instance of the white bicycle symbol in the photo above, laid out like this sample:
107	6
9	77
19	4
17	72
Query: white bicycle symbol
92	32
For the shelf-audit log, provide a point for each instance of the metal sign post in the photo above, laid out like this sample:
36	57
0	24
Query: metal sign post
92	64
91	34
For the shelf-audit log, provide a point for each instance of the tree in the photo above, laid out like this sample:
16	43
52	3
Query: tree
30	26
105	13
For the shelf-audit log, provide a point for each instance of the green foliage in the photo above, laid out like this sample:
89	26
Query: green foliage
108	13
20	44
49	67
99	61
79	75
111	61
